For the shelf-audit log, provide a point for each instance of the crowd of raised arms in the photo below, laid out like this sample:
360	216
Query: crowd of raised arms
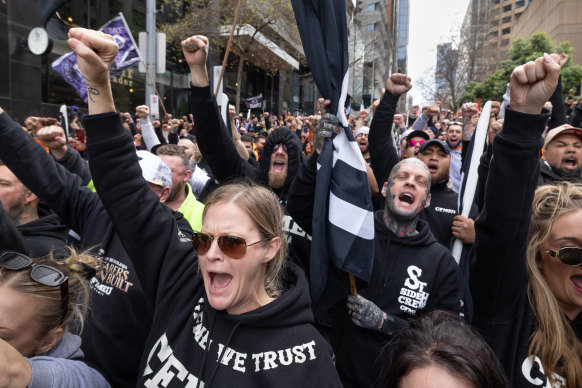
177	252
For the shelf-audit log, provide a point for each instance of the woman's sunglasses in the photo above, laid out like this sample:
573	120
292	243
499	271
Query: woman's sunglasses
568	255
40	273
233	246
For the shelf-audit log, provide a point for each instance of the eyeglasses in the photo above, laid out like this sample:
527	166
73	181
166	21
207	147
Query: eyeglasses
40	273
415	143
279	145
568	255
233	246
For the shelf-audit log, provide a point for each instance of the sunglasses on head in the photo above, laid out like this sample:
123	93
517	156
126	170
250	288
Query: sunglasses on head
415	143
455	123
279	145
233	246
568	255
40	273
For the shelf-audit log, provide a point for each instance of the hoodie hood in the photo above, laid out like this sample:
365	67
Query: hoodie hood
424	237
45	234
292	307
285	136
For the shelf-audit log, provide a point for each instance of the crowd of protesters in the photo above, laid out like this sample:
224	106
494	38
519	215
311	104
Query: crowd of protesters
176	252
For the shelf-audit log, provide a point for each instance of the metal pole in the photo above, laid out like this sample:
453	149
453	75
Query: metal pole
151	49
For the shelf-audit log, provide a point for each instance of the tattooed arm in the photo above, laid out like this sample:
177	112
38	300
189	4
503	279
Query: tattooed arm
367	315
95	54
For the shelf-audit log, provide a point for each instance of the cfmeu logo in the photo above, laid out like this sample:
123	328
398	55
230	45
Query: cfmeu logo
445	210
533	371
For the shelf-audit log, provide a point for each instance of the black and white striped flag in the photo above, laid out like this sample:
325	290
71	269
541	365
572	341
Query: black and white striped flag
343	222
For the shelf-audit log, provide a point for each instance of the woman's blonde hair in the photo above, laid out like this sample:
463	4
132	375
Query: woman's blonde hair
262	206
554	340
75	267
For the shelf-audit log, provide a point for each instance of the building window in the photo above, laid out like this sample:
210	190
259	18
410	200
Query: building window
494	23
372	7
507	8
494	12
494	2
506	19
505	42
506	31
519	4
493	34
371	27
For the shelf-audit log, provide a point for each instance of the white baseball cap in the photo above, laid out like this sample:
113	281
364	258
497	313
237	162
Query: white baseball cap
154	170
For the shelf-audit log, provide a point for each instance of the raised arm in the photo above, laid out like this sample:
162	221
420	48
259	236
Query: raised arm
146	227
381	145
499	275
212	136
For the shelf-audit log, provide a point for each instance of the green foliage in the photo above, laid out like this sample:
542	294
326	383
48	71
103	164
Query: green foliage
522	51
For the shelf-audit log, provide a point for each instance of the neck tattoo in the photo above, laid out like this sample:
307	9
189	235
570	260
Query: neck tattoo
401	228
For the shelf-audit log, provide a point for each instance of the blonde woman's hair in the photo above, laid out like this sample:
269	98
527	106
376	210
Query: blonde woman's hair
262	206
554	340
75	267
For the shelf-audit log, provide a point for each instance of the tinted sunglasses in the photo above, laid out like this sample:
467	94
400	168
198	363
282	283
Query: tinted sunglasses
233	246
568	255
40	273
415	143
279	145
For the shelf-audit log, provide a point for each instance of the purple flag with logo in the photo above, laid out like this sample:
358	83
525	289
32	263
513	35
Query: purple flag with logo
254	102
128	54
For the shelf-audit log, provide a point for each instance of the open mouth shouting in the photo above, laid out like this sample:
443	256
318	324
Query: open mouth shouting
406	198
570	163
433	167
278	166
219	282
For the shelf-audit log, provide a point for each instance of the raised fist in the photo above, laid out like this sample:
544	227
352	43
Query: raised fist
398	83
52	136
431	110
142	111
469	109
532	84
195	50
495	108
95	52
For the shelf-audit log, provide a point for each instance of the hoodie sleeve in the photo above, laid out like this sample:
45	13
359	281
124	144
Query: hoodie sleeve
499	275
148	230
381	146
75	164
214	140
49	372
558	107
36	169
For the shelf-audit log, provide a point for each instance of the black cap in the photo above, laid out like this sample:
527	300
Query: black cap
414	134
443	145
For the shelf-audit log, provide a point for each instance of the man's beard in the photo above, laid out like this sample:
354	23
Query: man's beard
276	181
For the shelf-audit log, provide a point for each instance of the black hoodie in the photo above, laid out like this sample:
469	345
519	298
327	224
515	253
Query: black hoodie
502	311
275	345
410	277
45	235
10	239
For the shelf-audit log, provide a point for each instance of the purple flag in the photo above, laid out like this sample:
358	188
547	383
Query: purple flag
128	54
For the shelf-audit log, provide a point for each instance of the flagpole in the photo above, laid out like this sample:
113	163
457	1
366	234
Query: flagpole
237	14
143	63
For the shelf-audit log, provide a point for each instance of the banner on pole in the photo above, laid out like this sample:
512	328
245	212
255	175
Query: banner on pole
254	102
67	67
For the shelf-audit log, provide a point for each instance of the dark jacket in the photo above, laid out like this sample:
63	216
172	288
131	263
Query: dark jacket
45	234
275	345
502	312
549	176
117	326
173	137
442	210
